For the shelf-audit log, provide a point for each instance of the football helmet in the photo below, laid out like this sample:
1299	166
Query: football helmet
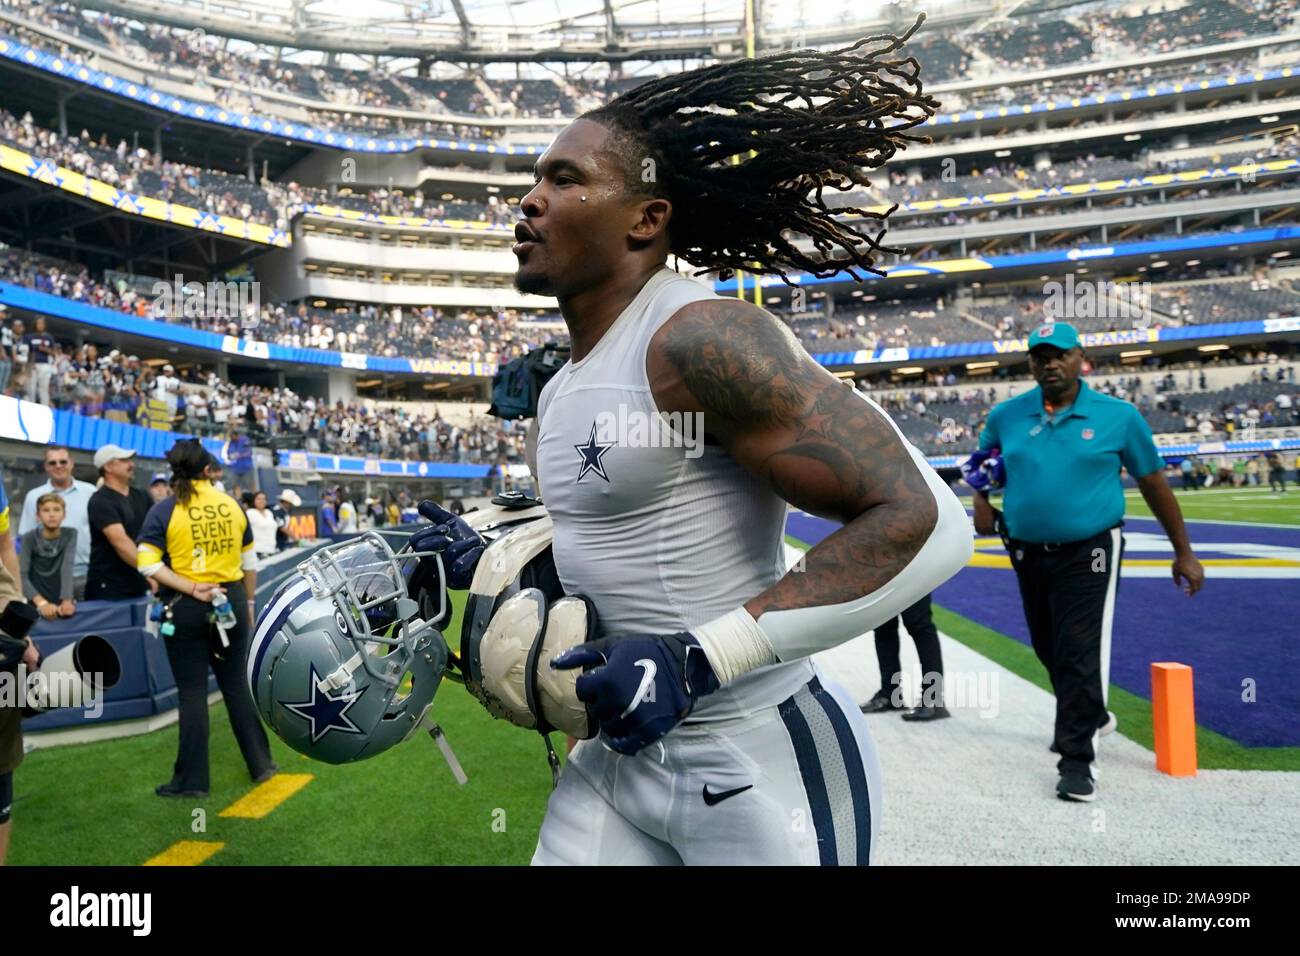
342	665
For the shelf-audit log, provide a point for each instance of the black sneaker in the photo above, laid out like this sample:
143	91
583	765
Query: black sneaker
1076	785
927	713
267	774
883	701
171	790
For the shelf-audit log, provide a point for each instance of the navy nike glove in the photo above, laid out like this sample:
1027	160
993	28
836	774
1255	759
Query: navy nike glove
452	537
985	470
640	687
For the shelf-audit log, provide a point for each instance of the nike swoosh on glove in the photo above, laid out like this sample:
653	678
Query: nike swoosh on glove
452	537
640	687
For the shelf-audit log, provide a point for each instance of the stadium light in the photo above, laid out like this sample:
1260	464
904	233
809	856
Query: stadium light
972	366
1135	353
1217	347
910	370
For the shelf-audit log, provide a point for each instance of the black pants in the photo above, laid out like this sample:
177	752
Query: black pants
1069	598
1276	479
920	624
1190	482
191	649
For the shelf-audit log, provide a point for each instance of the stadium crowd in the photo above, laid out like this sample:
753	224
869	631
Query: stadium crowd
465	335
110	384
337	97
137	170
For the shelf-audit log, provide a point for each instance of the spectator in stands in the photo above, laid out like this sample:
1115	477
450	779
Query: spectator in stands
46	561
42	351
159	487
329	518
285	536
76	499
19	353
262	521
117	511
6	354
347	513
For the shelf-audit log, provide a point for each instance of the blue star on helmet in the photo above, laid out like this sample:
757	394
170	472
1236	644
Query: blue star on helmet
590	455
325	711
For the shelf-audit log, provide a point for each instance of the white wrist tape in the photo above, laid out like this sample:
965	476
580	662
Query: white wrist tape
734	645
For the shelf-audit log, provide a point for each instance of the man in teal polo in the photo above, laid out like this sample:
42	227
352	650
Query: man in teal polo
1062	445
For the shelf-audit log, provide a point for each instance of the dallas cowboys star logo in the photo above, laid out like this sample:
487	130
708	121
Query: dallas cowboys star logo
590	455
326	712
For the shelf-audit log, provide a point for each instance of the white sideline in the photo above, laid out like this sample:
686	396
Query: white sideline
981	790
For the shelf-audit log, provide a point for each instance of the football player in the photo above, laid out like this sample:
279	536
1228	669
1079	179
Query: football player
721	741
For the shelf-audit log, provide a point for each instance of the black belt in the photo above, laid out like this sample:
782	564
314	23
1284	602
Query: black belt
1048	547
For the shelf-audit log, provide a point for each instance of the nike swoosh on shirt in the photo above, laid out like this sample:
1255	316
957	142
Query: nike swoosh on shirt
715	798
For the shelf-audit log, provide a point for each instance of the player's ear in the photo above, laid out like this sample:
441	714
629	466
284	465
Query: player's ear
653	219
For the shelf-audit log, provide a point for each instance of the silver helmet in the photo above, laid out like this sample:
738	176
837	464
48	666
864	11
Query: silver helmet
342	666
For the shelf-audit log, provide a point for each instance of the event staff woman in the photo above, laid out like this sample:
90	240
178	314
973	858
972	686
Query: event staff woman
192	544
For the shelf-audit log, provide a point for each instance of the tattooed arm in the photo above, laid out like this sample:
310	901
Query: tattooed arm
827	451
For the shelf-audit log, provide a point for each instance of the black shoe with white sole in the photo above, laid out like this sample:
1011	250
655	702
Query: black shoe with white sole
1076	785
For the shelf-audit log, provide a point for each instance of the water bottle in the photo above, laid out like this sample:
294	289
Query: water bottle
221	607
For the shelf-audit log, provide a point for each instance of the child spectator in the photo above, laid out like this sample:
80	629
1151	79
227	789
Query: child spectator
46	561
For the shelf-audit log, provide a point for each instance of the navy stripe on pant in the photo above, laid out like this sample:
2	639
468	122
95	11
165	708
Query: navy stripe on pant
843	761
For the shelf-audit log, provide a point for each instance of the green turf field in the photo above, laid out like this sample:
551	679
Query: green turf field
1244	505
93	804
1257	504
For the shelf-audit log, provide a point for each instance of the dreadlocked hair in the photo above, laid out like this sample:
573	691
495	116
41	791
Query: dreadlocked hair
798	123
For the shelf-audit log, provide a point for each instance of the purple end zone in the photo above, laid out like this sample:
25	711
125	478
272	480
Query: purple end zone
1234	630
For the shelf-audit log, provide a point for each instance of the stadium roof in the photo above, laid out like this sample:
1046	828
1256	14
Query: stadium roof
515	30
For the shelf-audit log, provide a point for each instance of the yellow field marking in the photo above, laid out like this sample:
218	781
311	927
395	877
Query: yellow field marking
185	853
264	798
983	559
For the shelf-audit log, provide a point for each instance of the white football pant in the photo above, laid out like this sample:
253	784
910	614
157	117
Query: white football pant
794	783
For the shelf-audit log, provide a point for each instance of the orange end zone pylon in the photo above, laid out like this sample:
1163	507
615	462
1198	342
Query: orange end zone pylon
1173	717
